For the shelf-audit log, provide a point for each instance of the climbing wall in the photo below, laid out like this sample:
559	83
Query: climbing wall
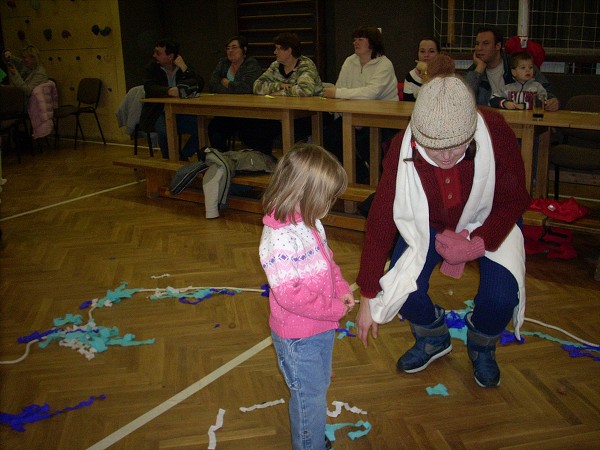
76	39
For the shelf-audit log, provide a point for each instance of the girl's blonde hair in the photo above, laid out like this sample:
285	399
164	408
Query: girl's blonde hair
308	179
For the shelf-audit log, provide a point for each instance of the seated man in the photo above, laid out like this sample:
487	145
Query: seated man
291	75
490	72
161	78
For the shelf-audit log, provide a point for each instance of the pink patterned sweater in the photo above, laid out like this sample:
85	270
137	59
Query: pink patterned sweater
305	283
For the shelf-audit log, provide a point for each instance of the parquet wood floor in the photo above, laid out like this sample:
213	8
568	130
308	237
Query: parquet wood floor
53	259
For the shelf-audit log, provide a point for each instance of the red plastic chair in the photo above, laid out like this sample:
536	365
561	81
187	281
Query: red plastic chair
401	90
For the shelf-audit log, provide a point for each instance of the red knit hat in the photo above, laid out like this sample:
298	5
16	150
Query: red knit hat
535	49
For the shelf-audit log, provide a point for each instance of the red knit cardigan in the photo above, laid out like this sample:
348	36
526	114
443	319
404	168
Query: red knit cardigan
510	201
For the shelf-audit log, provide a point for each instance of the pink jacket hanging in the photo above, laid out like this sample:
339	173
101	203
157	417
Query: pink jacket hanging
41	106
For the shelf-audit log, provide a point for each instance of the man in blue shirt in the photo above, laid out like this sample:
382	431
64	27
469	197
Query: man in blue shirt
490	72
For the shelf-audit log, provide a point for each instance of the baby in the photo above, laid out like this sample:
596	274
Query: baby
521	93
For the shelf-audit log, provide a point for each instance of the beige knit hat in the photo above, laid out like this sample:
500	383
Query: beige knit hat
445	114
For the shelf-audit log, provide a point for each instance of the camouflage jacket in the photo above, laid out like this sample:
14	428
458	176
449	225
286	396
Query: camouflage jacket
305	80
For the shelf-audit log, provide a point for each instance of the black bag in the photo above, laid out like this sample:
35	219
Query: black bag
189	90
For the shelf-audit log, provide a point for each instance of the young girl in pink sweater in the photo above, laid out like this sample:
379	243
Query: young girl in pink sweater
308	294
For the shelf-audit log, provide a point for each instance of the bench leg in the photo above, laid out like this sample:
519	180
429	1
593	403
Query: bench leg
155	179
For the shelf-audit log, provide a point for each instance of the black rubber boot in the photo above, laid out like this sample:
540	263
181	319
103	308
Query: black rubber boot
482	353
432	342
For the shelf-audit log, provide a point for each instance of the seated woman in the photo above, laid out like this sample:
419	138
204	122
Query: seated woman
367	74
234	74
428	48
25	73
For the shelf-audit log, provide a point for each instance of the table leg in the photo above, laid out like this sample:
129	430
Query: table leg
349	144
375	149
527	140
317	128
172	136
287	130
541	185
349	147
203	131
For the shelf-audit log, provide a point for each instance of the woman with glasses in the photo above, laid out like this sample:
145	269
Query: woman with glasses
234	74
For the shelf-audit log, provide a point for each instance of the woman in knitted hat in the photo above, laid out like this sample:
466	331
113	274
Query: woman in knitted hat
453	187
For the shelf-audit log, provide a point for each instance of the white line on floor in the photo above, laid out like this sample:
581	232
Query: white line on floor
69	201
179	397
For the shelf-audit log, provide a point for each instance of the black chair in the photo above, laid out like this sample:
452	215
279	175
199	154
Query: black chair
88	96
136	134
580	149
13	116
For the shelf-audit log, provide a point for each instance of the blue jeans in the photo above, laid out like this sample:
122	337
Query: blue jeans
186	124
306	366
494	303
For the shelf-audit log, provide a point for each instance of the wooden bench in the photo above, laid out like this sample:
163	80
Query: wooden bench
534	218
587	225
159	172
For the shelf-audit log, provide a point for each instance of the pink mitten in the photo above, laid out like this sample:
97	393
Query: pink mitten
456	249
441	247
452	270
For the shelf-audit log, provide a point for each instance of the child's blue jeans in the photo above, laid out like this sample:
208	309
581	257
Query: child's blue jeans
306	366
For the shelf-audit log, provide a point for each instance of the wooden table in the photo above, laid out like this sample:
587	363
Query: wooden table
284	109
585	120
381	114
375	114
527	128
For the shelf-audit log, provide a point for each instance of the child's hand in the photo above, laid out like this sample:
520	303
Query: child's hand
421	68
349	301
552	104
11	68
510	105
